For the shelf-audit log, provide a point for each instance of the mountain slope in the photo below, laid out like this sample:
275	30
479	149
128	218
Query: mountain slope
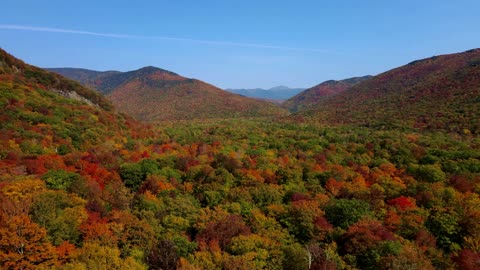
441	92
82	187
59	147
46	113
153	94
274	93
312	96
12	68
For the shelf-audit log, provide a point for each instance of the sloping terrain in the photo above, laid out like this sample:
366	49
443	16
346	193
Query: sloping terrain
82	187
12	69
45	112
309	97
153	94
59	144
441	92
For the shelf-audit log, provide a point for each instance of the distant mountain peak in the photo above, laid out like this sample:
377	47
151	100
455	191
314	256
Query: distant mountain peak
155	94
278	93
152	69
279	88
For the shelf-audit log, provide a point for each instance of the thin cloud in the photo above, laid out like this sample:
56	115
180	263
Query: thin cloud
111	35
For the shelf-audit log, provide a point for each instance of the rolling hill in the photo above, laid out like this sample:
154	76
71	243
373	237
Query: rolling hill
437	93
309	97
90	78
154	94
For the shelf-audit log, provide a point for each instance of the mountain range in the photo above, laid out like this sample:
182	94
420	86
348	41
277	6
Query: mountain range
154	94
380	172
274	93
440	92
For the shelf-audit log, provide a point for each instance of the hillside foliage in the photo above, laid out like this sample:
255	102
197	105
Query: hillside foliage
438	93
153	94
12	68
85	188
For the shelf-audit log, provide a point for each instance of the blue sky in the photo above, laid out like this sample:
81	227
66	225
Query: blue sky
239	44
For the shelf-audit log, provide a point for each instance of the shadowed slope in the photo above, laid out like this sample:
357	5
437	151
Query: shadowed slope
441	92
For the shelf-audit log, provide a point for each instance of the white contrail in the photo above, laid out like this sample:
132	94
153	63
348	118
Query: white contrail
212	42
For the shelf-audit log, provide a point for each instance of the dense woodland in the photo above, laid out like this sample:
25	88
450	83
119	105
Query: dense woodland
82	187
437	93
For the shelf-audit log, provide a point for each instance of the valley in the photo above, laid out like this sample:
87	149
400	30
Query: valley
159	171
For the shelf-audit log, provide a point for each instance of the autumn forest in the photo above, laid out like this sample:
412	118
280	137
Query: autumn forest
151	170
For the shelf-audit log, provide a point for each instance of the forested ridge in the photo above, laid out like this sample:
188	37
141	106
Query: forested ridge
309	98
82	187
437	93
153	94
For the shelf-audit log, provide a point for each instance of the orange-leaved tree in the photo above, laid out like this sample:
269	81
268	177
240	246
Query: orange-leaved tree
24	244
